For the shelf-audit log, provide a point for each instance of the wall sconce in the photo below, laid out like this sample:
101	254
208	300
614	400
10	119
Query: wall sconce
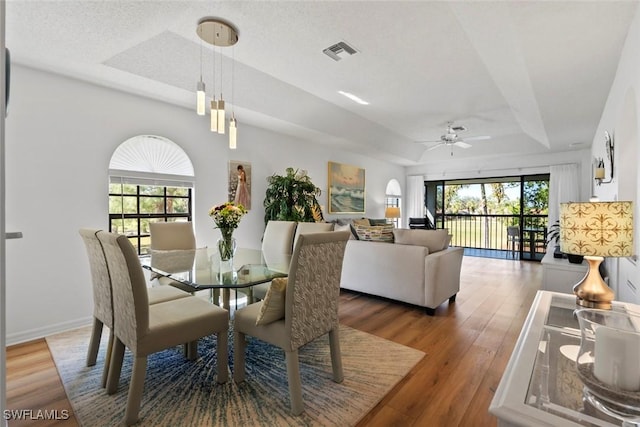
599	172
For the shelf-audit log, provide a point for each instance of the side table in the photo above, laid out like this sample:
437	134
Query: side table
559	275
540	385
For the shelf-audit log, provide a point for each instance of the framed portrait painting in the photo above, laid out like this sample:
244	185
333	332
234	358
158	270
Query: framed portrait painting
346	189
240	183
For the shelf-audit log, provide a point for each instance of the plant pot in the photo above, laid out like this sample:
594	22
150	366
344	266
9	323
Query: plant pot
575	259
557	253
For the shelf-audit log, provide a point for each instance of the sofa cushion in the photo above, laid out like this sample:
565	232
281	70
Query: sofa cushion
375	233
435	240
274	301
346	227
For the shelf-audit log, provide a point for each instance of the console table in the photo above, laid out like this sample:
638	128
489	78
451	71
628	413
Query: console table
540	385
559	275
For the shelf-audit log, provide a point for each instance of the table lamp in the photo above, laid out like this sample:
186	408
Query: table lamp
596	230
392	212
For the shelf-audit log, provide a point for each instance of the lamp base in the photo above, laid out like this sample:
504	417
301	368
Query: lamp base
592	291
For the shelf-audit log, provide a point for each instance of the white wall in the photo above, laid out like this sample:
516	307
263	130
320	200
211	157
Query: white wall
620	117
60	135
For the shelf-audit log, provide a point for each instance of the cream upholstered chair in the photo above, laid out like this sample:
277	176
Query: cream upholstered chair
146	329
102	297
171	236
277	242
310	310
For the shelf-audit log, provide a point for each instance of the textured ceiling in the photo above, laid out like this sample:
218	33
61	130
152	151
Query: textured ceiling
532	75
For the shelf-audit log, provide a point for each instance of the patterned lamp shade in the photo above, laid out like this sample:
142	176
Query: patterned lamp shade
597	228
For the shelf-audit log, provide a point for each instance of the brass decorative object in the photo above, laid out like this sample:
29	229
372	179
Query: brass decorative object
596	230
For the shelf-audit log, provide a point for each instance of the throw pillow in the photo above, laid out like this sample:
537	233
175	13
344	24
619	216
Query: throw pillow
360	221
377	221
435	240
375	233
274	301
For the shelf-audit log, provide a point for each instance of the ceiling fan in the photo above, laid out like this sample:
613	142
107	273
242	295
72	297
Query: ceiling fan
451	138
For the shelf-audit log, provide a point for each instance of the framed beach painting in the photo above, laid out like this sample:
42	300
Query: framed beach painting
240	183
346	189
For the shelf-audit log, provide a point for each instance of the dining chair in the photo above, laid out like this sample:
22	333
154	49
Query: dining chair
513	238
308	310
146	329
276	244
171	236
103	301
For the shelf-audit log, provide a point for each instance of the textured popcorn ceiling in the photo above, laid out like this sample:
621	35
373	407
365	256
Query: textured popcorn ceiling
533	75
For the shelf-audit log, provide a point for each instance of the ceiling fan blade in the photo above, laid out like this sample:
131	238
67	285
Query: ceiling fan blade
461	144
477	138
435	146
428	142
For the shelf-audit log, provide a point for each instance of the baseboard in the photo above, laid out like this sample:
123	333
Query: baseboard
37	333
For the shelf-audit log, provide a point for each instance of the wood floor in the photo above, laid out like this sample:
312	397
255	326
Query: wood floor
467	346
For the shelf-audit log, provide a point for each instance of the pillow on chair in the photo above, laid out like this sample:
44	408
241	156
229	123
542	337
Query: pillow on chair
273	305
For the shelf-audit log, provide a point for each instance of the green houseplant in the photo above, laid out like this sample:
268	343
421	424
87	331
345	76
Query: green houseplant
292	197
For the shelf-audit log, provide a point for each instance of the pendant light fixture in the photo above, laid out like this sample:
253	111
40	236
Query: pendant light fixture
233	125
218	33
200	89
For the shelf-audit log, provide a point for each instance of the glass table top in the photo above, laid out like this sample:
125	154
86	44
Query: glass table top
203	269
555	386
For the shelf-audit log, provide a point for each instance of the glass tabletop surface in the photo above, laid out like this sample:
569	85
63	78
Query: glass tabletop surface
555	386
202	268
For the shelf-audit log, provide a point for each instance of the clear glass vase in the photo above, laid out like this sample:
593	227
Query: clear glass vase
226	245
608	362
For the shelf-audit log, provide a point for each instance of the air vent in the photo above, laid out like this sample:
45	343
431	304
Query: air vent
341	48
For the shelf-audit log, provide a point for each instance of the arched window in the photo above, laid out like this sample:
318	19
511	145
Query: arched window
150	179
393	199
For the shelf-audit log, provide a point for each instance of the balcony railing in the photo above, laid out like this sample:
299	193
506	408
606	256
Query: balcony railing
490	232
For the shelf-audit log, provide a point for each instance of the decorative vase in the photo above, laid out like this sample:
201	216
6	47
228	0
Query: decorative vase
226	245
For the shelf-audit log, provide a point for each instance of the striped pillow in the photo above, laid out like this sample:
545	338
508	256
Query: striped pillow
375	233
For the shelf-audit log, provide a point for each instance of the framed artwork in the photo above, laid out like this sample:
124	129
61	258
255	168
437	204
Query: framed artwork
346	189
240	183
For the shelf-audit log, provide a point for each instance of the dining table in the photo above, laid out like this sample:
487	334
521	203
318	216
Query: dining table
202	269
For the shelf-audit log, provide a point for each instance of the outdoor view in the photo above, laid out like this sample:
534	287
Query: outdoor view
477	214
132	207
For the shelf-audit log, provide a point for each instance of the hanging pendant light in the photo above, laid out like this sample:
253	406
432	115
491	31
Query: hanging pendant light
200	91
233	132
214	115
222	34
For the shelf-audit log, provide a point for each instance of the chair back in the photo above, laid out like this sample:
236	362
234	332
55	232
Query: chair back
313	289
513	231
278	240
130	299
172	235
100	278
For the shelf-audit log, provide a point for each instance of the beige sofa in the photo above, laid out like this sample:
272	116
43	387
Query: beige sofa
419	268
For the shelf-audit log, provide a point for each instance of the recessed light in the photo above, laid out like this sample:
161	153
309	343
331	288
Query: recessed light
353	97
575	144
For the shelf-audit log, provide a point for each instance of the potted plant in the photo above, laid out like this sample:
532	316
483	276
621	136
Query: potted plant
554	236
292	197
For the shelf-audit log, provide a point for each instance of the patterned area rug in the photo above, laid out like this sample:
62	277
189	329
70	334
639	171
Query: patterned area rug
182	393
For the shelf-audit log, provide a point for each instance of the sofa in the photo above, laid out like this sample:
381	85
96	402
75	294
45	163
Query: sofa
418	268
413	266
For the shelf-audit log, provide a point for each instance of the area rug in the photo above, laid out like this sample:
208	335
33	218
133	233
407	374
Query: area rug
178	392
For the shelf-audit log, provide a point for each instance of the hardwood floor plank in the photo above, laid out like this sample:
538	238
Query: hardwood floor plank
467	346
